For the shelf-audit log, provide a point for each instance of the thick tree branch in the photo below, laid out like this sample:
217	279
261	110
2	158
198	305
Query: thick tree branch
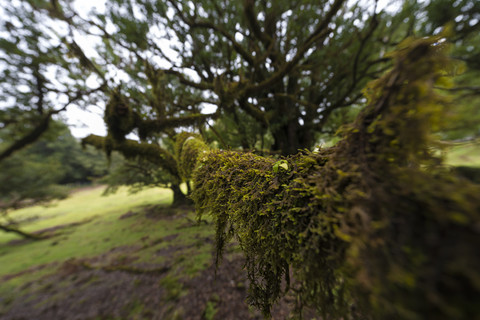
131	149
150	126
183	80
249	9
29	138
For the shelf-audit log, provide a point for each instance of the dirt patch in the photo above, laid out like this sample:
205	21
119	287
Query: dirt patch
128	215
163	212
81	293
226	289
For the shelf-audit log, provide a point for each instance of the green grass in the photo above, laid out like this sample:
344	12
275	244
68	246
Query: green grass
102	231
464	154
96	231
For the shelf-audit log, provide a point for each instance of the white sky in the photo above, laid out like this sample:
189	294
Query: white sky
82	122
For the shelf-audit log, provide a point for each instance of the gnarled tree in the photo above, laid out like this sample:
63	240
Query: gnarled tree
374	227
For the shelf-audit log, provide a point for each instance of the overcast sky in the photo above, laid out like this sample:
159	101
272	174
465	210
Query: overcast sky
82	123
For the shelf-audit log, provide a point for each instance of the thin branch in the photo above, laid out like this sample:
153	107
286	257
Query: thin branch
475	90
240	50
20	232
181	77
319	34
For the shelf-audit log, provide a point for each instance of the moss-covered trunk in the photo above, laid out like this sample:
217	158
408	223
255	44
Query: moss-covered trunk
179	198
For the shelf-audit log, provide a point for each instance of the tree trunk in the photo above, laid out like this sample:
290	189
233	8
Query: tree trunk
20	232
179	198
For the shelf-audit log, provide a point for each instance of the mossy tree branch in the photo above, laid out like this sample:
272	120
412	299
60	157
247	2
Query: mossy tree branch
132	149
372	228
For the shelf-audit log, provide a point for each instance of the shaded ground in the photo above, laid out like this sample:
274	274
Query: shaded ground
171	277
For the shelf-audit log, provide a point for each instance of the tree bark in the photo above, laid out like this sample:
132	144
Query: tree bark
179	198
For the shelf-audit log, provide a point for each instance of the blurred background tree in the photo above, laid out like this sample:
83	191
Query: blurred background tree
38	77
272	76
45	170
463	17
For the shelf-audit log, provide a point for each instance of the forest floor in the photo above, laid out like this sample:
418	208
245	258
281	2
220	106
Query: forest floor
120	257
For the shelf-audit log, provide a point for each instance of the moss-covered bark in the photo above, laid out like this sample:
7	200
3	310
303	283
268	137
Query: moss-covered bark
372	228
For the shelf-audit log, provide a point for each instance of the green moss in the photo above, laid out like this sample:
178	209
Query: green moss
374	227
188	148
132	149
119	116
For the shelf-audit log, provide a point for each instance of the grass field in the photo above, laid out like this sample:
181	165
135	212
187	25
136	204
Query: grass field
93	219
464	154
134	248
122	256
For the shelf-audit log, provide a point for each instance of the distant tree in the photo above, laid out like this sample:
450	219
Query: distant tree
79	165
27	178
463	17
37	173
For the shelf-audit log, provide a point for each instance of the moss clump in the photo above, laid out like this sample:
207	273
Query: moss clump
188	147
119	116
373	228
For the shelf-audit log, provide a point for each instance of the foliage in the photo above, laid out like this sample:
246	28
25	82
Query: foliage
137	174
40	172
358	226
38	78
